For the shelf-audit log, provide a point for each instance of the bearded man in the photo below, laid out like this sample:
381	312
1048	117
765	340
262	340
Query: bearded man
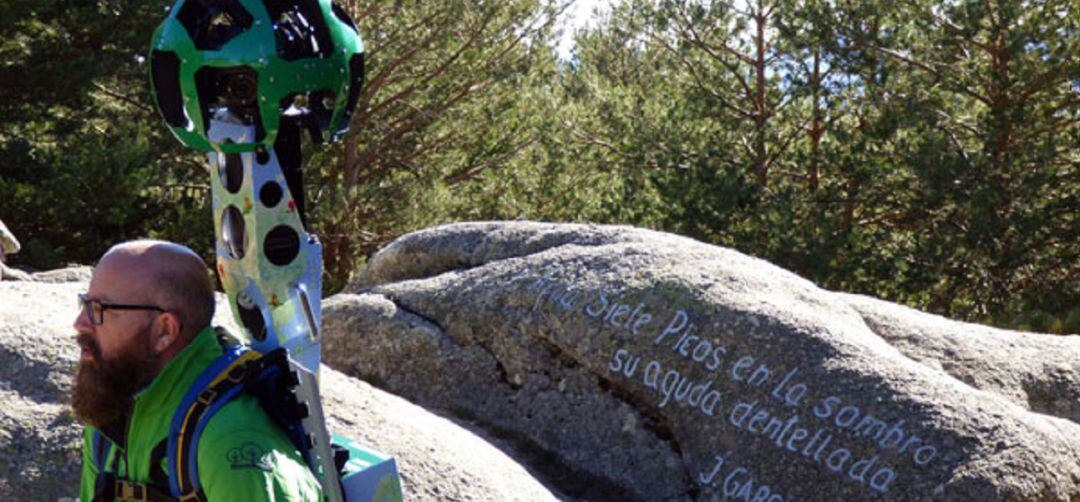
145	334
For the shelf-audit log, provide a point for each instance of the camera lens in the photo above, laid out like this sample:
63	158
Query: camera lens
239	88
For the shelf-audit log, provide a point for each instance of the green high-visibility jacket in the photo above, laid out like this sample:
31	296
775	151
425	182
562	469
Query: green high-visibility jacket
242	454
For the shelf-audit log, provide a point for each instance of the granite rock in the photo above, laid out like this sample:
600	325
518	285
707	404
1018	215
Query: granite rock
9	245
40	439
626	364
77	273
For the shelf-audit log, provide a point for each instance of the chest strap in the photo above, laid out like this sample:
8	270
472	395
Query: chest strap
109	486
232	373
127	490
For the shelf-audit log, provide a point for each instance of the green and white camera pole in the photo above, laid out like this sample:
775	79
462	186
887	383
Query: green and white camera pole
242	80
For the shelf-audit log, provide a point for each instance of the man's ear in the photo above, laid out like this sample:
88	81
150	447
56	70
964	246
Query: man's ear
167	331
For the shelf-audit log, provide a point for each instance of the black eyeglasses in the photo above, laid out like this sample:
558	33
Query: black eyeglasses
97	309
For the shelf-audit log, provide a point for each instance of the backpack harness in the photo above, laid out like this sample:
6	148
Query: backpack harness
240	369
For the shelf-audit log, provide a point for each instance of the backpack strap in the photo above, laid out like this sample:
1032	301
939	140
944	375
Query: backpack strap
273	384
104	483
109	487
127	490
158	476
216	386
100	449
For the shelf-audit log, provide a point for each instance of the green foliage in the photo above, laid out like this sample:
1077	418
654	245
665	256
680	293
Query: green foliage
438	111
85	163
923	152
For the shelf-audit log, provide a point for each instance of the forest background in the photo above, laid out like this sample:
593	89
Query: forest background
925	152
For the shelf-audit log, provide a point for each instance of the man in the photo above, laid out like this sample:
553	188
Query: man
145	334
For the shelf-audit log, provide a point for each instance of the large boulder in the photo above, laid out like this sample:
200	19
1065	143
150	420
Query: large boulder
80	274
9	245
437	457
39	459
1036	371
630	364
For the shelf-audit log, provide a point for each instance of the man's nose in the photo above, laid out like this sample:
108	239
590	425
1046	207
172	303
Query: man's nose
82	322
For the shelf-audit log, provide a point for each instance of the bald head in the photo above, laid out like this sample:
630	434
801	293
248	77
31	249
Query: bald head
170	275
